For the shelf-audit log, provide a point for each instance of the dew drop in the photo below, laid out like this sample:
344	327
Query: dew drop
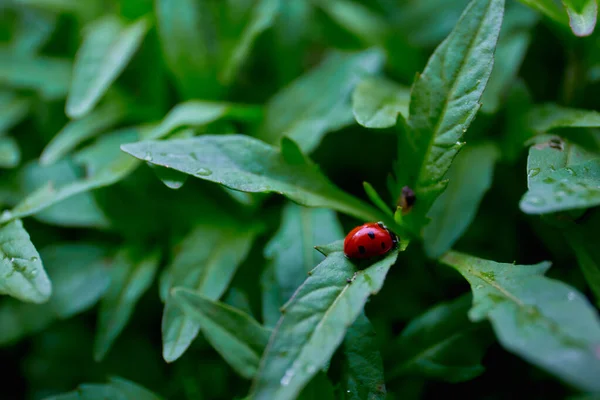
148	156
536	201
203	172
311	369
571	296
479	287
33	273
6	215
533	172
287	378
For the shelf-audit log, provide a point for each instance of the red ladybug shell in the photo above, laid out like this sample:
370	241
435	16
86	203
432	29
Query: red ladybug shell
368	240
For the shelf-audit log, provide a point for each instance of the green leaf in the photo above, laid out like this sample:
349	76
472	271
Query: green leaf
440	344
513	43
130	279
550	9
206	263
116	389
13	108
50	77
247	164
560	176
444	101
77	131
376	199
238	338
296	112
546	117
106	165
270	296
107	47
455	209
22	274
33	30
545	321
10	155
198	113
582	15
376	102
363	366
262	17
314	323
291	249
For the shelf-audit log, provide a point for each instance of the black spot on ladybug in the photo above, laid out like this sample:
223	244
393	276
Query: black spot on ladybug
382	245
371	234
361	249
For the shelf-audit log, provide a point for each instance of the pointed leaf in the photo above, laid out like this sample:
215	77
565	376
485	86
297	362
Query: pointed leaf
116	389
549	8
247	164
444	101
334	80
235	335
545	321
292	247
376	199
10	154
363	368
207	261
546	117
13	108
582	16
129	281
370	27
22	274
314	324
440	344
107	47
376	102
455	209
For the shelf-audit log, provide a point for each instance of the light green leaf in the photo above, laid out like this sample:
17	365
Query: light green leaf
50	77
262	17
107	47
197	113
356	18
314	323
545	321
271	297
10	154
546	117
376	199
440	344
206	263
455	209
549	8
363	367
376	102
247	164
106	165
444	101
22	274
238	338
296	112
560	176
291	249
582	15
77	131
13	108
513	42
130	279
34	28
116	389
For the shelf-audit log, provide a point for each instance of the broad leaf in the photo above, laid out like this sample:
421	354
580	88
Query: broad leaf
207	261
13	109
546	117
116	389
444	101
582	15
292	247
455	209
560	176
296	113
247	164
314	323
545	321
440	344
22	274
77	131
262	17
235	335
363	367
10	154
107	47
129	280
376	102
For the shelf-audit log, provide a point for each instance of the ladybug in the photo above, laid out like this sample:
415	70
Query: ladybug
369	240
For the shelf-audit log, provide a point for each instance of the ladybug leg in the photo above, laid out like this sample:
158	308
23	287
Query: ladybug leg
350	280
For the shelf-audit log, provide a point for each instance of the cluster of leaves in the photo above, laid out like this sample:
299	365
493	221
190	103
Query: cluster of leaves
298	120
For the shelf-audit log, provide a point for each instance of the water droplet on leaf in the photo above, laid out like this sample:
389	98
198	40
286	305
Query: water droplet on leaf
533	172
148	156
203	172
536	201
571	296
